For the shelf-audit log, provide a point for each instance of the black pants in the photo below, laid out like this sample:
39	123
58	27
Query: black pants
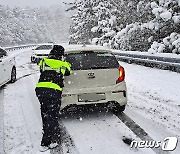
50	108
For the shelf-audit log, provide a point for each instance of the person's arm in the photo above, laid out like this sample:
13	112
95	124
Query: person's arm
41	65
67	69
67	73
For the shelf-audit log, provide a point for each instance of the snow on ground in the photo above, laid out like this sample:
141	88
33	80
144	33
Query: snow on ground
100	132
153	103
22	125
154	100
1	120
155	94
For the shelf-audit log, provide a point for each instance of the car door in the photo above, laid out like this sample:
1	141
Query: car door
2	78
8	62
4	66
1	72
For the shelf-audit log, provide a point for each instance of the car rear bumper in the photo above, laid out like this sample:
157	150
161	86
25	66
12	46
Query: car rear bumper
116	93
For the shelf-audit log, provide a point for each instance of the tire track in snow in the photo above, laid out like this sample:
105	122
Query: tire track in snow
67	144
151	105
26	75
133	126
95	130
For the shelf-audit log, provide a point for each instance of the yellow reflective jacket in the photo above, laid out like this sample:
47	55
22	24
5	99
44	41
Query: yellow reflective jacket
52	73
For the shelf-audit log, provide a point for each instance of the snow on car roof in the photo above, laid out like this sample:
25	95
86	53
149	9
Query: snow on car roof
80	47
45	44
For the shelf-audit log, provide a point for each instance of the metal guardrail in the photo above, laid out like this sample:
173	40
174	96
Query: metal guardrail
164	63
19	47
150	57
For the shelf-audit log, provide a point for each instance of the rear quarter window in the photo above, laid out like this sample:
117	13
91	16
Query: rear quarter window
92	60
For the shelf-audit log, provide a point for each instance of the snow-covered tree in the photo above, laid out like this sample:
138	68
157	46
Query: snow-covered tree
106	25
83	22
167	15
128	24
153	22
94	21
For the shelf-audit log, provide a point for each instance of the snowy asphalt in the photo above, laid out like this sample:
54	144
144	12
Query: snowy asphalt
84	131
1	119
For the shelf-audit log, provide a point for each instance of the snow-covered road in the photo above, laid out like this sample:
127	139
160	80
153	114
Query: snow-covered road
153	105
1	119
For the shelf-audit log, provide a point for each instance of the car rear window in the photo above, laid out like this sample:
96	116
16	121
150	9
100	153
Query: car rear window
92	60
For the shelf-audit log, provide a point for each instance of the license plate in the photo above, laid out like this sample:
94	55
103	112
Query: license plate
92	97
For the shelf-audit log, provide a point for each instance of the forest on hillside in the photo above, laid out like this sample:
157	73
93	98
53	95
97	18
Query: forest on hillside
138	25
33	25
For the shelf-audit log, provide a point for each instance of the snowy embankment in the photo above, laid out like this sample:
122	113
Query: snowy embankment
153	103
154	94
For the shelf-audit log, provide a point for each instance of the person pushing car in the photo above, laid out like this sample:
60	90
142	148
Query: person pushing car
49	91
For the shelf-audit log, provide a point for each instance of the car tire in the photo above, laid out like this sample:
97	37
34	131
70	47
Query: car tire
32	60
129	61
13	75
116	108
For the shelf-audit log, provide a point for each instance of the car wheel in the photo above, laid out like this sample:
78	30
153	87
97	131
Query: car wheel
32	60
116	108
13	75
129	61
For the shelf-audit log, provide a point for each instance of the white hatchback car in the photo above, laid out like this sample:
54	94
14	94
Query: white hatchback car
7	68
97	78
40	52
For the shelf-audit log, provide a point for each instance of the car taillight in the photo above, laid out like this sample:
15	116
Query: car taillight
121	75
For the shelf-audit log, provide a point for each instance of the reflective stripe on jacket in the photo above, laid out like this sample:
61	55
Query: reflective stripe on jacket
48	85
53	64
52	72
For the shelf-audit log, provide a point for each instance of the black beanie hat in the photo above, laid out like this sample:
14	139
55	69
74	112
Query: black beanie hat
57	52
